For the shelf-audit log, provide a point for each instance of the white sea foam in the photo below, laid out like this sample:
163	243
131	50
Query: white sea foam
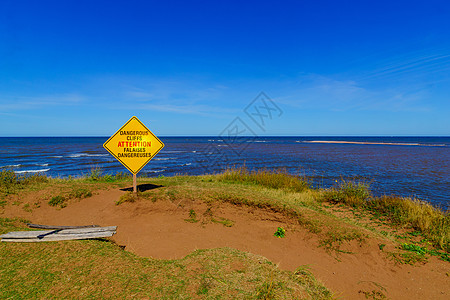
371	143
10	166
77	155
155	171
172	151
42	165
165	158
32	171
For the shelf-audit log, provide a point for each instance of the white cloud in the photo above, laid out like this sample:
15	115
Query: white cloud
15	103
204	110
180	96
325	93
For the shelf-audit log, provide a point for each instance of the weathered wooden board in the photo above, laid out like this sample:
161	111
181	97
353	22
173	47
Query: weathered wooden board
36	233
56	237
58	234
59	227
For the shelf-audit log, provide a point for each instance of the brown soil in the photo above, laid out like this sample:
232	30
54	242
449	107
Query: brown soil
160	230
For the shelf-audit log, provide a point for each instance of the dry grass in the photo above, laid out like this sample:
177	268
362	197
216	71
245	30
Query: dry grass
128	197
10	182
279	179
433	223
348	192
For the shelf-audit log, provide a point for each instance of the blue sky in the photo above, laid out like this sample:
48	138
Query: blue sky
76	68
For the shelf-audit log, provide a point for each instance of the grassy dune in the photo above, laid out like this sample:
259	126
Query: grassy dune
427	220
100	269
345	213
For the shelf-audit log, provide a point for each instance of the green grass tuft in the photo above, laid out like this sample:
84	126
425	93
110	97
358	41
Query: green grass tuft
128	197
80	193
97	175
192	217
58	200
224	221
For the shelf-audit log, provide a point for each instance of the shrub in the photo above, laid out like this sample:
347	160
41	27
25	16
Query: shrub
33	179
348	192
280	233
8	181
96	174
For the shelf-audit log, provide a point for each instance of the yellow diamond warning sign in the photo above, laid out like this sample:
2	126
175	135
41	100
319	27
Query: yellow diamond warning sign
134	145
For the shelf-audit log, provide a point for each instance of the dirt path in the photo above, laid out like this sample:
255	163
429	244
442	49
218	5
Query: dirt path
159	230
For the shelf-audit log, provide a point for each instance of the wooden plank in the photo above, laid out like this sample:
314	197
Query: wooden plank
24	234
37	233
41	236
59	227
88	230
57	237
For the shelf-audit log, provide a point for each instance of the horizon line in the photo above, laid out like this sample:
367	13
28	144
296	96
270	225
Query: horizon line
247	136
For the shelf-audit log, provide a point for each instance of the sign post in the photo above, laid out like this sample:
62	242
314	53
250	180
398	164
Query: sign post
134	145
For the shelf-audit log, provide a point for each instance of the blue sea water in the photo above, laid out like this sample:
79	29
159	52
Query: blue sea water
406	166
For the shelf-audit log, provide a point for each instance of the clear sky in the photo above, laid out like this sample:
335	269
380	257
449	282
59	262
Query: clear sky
76	68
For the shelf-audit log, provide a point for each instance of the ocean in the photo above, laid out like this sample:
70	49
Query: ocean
405	166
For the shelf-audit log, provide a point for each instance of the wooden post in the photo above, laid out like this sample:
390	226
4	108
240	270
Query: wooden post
134	184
